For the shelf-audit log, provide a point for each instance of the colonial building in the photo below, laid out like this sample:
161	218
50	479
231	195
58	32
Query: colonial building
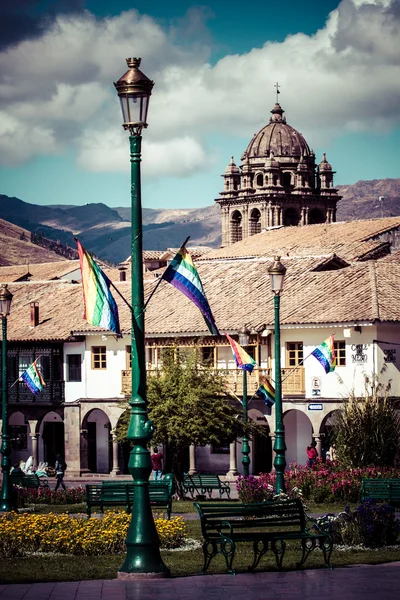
277	183
342	278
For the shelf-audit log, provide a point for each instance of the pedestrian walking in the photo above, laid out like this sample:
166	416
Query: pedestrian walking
60	467
156	459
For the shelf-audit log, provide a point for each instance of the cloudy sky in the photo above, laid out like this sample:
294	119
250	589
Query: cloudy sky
214	65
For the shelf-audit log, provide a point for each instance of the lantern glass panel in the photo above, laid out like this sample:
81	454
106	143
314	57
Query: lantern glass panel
277	282
5	306
134	108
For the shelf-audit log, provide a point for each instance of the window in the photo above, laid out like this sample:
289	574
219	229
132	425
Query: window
340	351
19	437
74	367
294	353
251	351
219	449
128	357
99	357
207	355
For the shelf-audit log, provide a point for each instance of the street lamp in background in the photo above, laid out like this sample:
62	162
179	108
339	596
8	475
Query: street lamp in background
277	274
244	338
6	491
143	557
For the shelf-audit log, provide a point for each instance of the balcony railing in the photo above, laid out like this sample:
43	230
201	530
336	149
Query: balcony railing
292	385
52	393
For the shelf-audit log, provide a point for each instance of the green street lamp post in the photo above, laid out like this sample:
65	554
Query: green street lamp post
6	491
143	557
244	338
277	274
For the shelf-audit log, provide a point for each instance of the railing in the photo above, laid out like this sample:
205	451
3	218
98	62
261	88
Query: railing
292	385
52	393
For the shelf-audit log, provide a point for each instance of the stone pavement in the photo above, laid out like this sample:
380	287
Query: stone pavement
364	582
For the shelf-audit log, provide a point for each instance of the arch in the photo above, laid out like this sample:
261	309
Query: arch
254	222
286	179
261	447
236	227
326	429
291	217
316	216
298	436
259	180
52	437
96	442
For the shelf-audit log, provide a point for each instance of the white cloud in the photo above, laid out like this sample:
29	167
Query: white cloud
57	90
109	151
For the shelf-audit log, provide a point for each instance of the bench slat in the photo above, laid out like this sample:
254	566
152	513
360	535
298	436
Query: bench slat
265	524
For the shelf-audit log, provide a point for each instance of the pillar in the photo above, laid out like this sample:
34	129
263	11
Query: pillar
272	436
72	439
225	226
115	467
232	461
33	425
318	439
245	222
34	440
192	459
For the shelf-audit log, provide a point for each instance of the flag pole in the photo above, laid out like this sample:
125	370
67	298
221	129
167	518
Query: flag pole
121	296
161	279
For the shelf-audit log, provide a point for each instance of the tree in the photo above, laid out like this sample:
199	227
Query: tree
366	431
188	404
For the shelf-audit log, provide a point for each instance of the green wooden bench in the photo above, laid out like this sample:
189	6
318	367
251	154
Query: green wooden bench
202	484
121	493
266	524
28	481
385	490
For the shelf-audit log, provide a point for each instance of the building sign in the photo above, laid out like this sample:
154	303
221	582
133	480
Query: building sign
359	353
389	355
316	387
315	406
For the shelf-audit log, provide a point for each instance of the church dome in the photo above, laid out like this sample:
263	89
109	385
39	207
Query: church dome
279	138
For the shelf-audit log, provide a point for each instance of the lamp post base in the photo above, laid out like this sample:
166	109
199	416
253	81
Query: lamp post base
136	576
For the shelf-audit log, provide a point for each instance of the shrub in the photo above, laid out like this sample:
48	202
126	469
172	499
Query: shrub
24	534
369	525
324	482
366	431
48	496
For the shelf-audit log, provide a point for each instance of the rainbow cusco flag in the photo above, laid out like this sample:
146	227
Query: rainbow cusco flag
325	354
243	360
182	274
100	306
33	379
266	391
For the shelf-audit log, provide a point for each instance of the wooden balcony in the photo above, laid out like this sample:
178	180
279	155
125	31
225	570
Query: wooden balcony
294	385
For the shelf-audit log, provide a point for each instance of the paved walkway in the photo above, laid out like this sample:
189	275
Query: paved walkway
364	582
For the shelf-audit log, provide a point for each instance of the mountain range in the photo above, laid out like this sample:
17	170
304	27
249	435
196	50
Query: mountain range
105	231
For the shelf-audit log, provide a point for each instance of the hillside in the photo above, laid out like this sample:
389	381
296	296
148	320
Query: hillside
361	200
106	231
16	247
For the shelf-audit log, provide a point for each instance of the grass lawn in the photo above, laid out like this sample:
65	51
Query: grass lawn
74	568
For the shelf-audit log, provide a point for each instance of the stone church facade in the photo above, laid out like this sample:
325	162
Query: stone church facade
278	183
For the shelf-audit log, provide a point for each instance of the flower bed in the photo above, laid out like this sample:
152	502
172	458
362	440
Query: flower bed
370	525
47	496
323	482
24	534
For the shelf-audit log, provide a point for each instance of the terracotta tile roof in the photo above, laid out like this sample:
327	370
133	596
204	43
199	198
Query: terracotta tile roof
238	292
352	240
38	271
152	254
